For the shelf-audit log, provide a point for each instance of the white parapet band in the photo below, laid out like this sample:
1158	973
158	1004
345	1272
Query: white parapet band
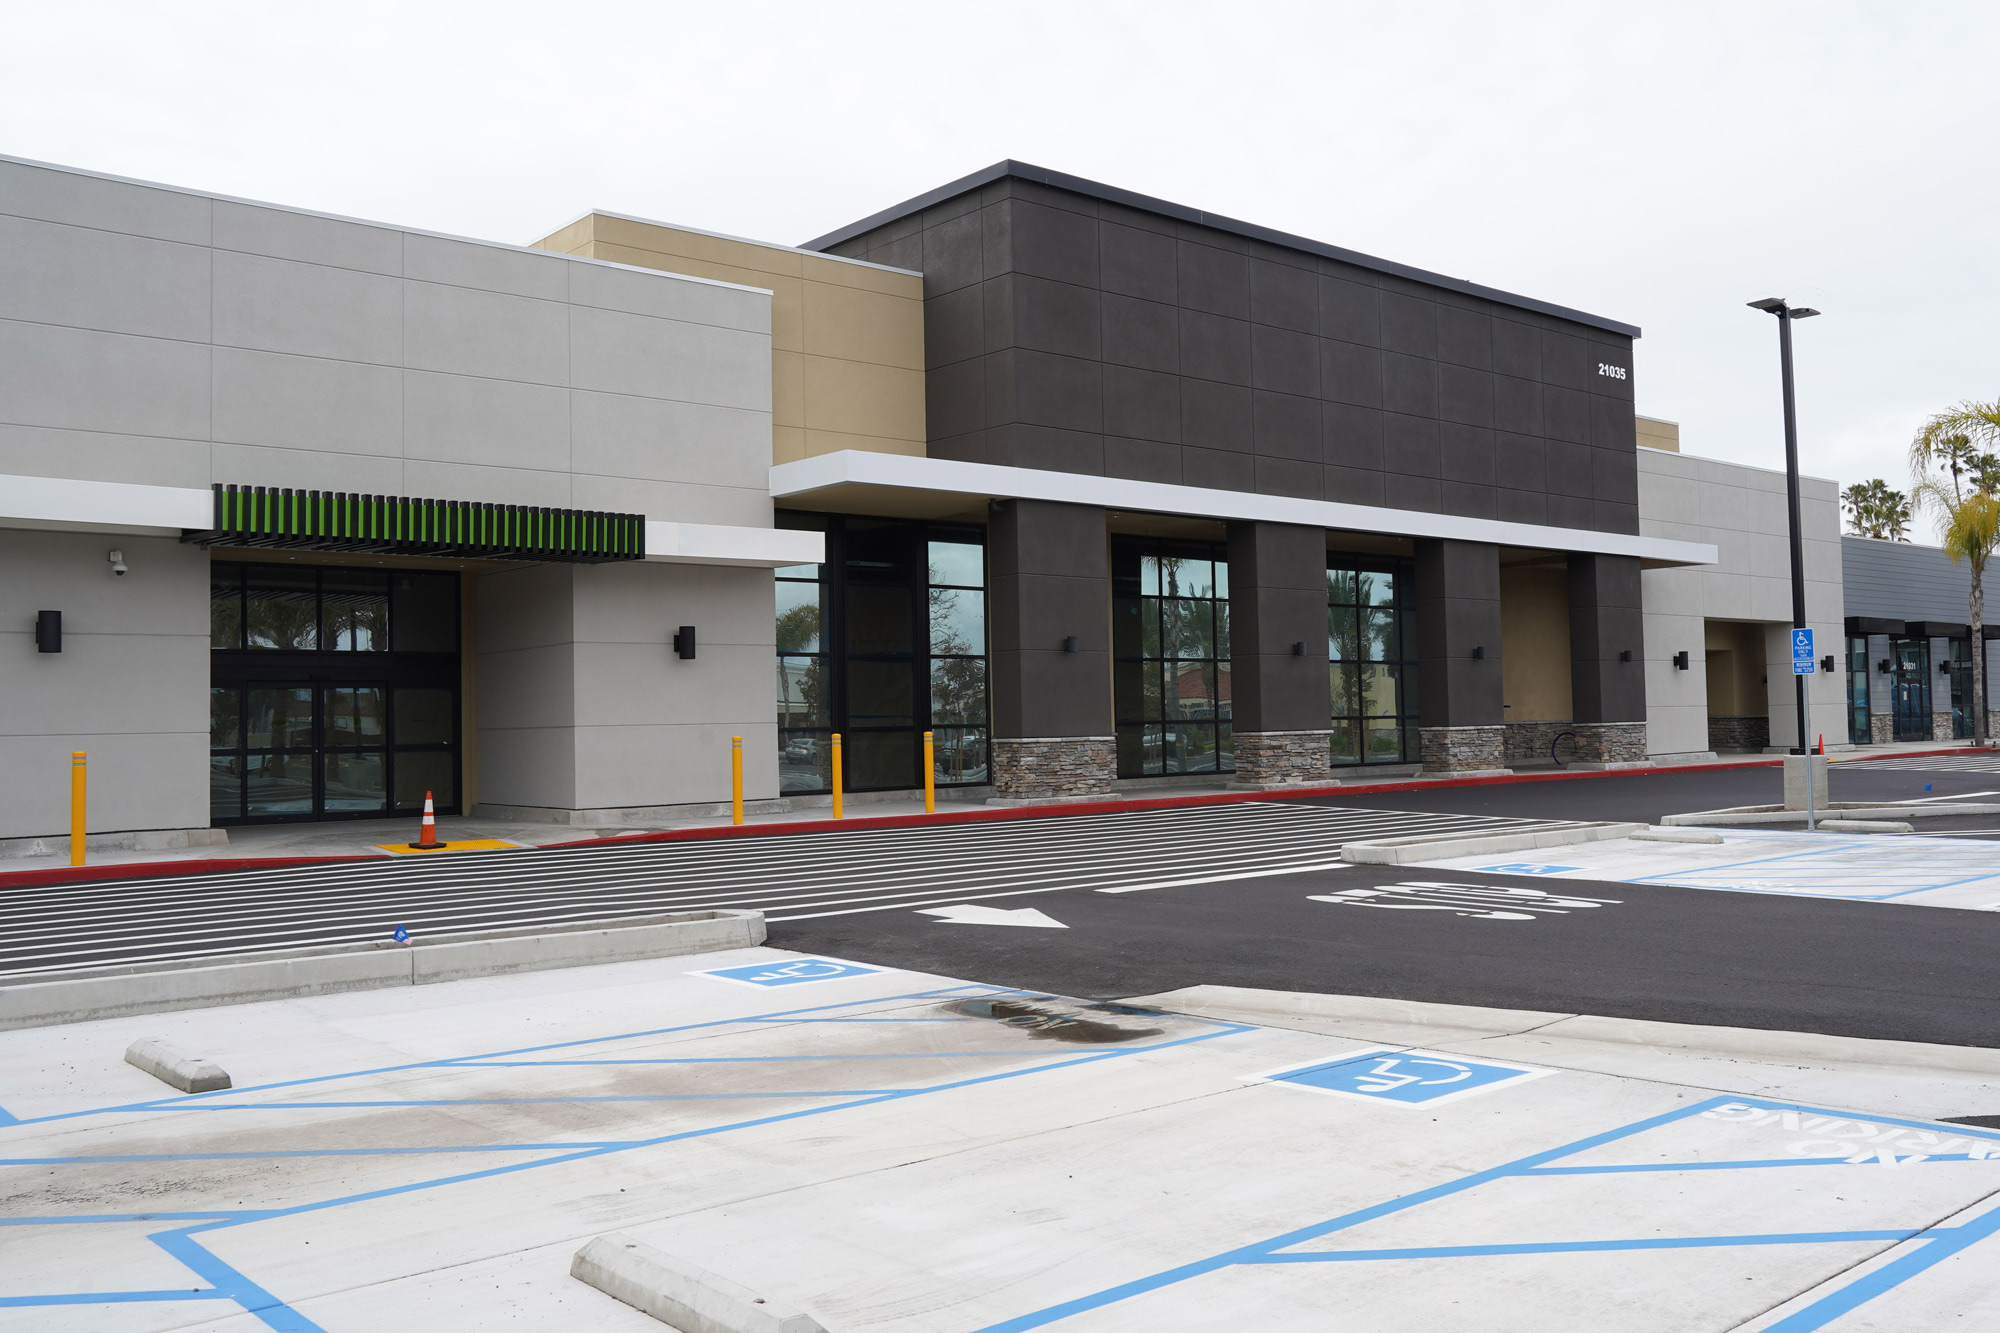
680	1294
189	1073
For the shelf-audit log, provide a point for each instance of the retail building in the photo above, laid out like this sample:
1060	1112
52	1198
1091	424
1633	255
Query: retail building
1101	491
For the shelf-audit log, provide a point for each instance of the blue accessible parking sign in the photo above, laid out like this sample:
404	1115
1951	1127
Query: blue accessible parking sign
1402	1077
794	973
1803	661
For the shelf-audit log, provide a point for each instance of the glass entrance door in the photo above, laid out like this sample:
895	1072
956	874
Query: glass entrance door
1910	688
333	692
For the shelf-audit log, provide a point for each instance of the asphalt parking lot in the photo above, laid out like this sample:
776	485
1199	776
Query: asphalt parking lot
897	1152
1646	951
1648	796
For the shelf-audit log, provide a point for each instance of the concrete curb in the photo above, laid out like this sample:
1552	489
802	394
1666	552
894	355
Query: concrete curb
1677	835
1866	826
1405	851
85	994
680	1294
133	870
189	1073
1750	815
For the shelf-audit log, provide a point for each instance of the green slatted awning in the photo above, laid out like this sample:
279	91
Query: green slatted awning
282	518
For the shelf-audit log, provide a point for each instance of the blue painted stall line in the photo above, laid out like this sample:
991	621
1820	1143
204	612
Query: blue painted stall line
1259	1249
536	1101
253	1155
1222	1030
112	1297
1951	1241
1267	1251
1578	1246
208	1215
231	1283
1733	1166
199	1098
722	1059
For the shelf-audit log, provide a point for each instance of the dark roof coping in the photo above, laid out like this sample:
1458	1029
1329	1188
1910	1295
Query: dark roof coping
1112	194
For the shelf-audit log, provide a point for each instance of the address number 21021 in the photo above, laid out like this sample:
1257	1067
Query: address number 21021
1613	372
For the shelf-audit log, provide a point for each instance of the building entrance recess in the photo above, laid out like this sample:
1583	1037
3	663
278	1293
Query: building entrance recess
333	692
1910	688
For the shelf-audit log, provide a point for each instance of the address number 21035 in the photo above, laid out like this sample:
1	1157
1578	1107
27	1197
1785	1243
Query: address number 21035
1614	372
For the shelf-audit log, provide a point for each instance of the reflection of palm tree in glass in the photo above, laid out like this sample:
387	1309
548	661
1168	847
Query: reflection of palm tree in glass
800	680
280	622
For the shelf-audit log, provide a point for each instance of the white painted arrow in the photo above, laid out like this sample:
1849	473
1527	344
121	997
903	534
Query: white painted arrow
972	914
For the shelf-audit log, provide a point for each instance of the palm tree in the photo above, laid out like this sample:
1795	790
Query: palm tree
1876	511
1959	445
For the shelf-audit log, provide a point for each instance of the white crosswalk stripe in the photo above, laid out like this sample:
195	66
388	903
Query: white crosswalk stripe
788	877
1944	763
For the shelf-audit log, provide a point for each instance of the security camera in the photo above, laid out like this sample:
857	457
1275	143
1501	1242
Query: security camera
117	559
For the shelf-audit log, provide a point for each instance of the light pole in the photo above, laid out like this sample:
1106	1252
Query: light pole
1786	314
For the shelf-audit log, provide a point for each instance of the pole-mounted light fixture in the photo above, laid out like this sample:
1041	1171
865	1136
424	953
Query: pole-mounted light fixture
1775	305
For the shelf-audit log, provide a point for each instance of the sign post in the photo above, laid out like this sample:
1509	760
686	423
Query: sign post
1804	664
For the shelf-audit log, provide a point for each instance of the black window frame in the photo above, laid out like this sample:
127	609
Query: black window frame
1157	735
1347	657
235	669
962	748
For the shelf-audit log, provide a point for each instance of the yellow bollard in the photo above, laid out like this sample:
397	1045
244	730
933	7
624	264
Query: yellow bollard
836	776
77	759
930	776
736	779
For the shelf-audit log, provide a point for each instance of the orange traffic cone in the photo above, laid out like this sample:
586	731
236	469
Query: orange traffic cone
428	838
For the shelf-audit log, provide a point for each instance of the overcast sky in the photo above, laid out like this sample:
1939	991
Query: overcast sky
1658	164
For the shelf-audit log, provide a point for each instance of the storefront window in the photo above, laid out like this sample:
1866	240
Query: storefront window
885	640
1372	672
1170	648
1857	689
334	691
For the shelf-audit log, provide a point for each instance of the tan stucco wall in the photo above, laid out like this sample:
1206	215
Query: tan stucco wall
1657	434
1737	668
847	338
1534	637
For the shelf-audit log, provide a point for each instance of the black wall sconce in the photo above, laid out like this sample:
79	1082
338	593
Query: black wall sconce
1624	654
1681	660
1479	654
1884	666
1944	668
1299	648
1827	664
684	642
1069	644
48	631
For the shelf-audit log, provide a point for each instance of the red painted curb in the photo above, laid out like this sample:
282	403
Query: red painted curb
155	869
214	865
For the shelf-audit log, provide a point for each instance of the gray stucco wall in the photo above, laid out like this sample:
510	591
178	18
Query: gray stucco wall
585	709
167	337
1741	510
130	686
173	338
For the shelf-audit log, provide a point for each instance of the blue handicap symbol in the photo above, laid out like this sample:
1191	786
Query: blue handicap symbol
1526	868
401	935
1408	1077
790	974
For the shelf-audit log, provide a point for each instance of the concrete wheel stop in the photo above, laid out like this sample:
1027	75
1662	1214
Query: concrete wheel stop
680	1294
189	1073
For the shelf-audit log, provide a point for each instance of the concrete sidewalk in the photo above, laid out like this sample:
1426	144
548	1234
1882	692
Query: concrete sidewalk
909	1153
367	838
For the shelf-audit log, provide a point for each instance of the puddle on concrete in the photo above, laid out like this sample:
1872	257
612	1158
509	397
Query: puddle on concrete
1041	1020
